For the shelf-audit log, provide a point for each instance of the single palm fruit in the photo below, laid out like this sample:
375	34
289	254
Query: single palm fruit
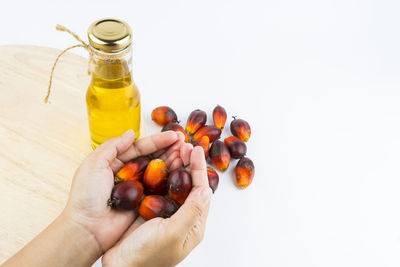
204	142
219	155
155	177
196	120
173	126
241	129
179	185
236	147
212	132
219	117
126	195
213	178
133	170
163	115
156	206
244	172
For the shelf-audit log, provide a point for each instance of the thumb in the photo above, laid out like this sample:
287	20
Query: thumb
194	211
190	220
111	148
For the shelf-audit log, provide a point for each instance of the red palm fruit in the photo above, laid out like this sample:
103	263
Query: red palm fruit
173	126
155	177
179	185
219	117
204	142
219	155
156	206
241	129
244	172
126	195
212	132
213	178
133	170
236	147
196	120
163	115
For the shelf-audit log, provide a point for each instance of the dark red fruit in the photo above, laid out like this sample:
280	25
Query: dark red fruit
219	155
211	131
156	206
244	172
204	142
219	117
241	129
196	120
213	178
155	177
126	195
173	126
236	147
133	170
179	185
163	115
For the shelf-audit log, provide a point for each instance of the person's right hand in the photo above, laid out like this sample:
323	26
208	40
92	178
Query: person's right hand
166	242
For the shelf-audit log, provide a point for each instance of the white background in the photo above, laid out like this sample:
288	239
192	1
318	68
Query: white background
319	83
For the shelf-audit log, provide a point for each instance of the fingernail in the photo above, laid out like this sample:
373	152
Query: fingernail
205	193
189	145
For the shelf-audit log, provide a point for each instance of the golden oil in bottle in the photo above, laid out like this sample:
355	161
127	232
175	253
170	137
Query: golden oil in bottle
113	101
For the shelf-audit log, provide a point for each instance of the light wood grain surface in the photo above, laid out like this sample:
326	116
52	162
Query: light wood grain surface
41	145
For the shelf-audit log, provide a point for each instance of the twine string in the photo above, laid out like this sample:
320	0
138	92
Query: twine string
83	45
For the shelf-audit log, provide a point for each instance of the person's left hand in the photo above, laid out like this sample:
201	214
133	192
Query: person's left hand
94	180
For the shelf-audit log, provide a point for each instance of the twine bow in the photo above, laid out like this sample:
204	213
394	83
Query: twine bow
83	45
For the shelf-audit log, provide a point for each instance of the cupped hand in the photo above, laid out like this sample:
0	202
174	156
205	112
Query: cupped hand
165	242
94	180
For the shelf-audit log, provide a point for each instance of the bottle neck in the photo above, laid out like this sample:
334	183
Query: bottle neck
111	66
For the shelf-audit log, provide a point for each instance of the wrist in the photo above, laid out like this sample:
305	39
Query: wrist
81	241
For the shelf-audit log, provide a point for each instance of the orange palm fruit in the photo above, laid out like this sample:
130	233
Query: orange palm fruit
244	172
219	155
213	178
155	177
241	129
173	126
204	142
179	185
163	115
212	132
156	206
219	117
197	119
133	170
236	147
126	195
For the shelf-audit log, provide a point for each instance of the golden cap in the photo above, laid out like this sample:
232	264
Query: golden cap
109	35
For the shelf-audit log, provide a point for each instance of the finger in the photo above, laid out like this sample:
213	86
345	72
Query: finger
181	136
198	168
138	222
148	145
177	163
190	219
191	216
171	158
186	150
164	153
107	152
116	165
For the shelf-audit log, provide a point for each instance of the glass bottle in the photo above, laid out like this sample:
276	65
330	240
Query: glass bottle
113	100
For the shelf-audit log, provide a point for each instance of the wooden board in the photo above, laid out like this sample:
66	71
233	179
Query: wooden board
41	144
